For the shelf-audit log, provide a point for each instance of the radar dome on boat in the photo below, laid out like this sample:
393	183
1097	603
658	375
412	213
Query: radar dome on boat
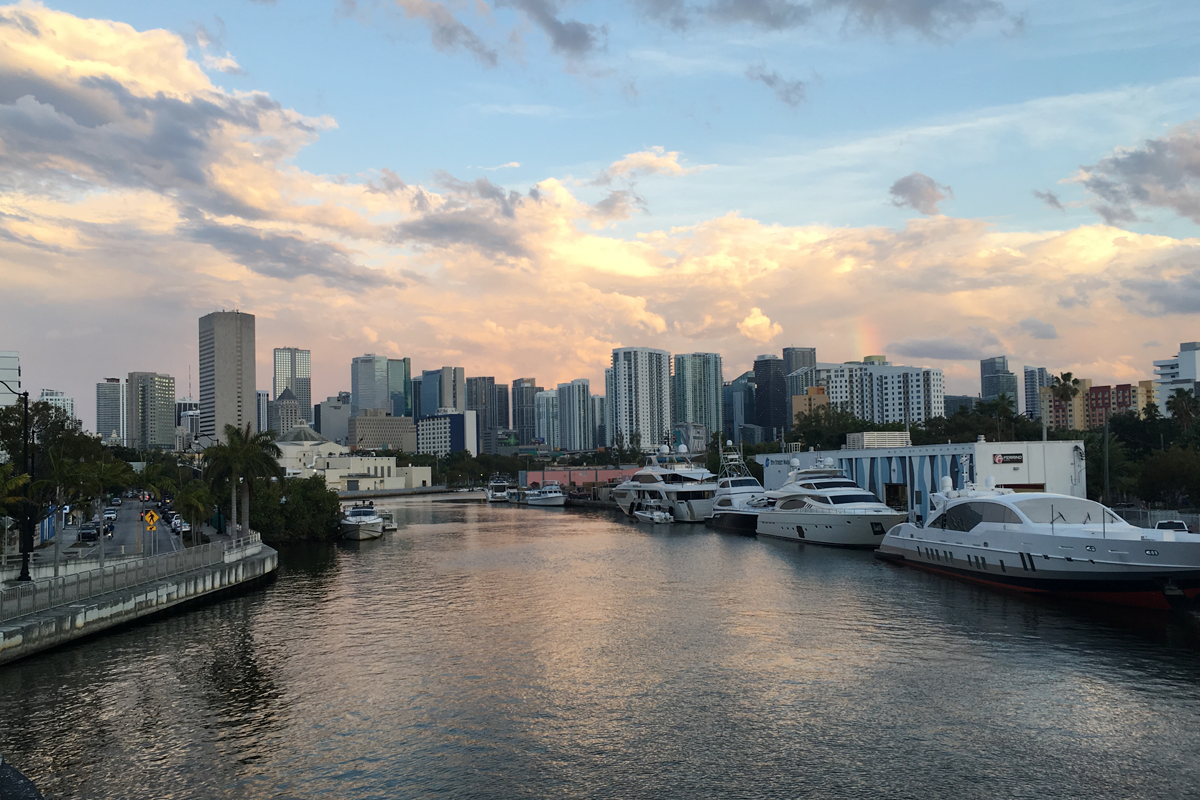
947	483
990	482
681	449
828	461
794	463
729	442
664	449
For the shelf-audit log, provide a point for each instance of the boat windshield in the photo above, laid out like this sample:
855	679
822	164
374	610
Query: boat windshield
1066	511
842	499
362	512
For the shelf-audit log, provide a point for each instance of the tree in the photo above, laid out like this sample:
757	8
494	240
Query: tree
1065	389
1171	475
1184	408
194	502
242	457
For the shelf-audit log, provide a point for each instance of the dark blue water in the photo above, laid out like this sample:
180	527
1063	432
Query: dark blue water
496	652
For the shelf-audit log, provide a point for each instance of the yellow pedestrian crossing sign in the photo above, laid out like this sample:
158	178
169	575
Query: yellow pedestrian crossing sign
151	518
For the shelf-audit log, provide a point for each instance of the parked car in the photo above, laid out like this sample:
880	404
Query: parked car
110	514
117	501
184	527
1171	525
88	532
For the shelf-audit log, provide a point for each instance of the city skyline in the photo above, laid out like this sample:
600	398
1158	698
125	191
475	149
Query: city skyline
621	198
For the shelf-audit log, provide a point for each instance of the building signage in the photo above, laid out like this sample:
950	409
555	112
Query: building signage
1008	458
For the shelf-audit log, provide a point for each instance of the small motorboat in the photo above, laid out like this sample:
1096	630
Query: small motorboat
654	517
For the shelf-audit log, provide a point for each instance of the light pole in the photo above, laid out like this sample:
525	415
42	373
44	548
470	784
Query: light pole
26	540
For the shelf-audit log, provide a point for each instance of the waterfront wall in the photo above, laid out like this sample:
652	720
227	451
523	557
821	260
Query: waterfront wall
236	568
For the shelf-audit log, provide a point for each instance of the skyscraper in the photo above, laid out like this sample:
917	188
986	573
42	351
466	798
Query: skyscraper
227	383
738	401
481	398
600	419
442	390
1035	379
293	370
369	383
111	410
795	358
545	411
640	399
523	418
771	401
58	399
885	393
415	386
995	380
262	413
576	425
400	386
696	390
503	421
10	372
150	411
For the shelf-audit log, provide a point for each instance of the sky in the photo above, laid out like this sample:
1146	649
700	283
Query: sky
519	186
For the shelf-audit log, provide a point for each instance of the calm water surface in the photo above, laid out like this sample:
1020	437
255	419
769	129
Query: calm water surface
497	652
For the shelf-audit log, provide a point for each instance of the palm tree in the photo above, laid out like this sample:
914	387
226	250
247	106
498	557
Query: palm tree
194	502
1003	408
243	456
1065	389
1184	408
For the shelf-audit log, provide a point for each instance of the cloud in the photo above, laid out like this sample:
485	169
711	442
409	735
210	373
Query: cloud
1174	294
1049	198
509	165
570	38
447	32
972	345
920	192
1038	329
789	92
226	63
1162	173
655	161
758	326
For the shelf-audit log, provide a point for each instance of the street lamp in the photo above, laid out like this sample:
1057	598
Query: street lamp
26	540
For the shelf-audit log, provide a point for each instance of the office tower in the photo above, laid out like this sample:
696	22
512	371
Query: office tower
150	410
995	380
184	405
59	400
523	417
610	427
400	386
10	373
886	393
954	402
640	400
738	401
443	390
697	389
545	412
111	411
797	358
415	386
576	425
600	419
501	415
442	434
482	399
771	400
369	383
331	418
293	370
1036	378
227	384
262	412
372	429
1180	372
285	413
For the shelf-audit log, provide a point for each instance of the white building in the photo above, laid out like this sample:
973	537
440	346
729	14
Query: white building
112	397
576	423
228	391
882	393
903	477
10	372
1180	372
59	400
293	370
640	397
546	418
697	390
443	434
306	452
332	418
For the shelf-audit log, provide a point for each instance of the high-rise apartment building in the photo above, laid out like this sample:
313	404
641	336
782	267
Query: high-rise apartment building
59	400
524	420
1102	402
1071	415
500	407
995	380
443	391
442	434
369	383
797	358
1036	379
150	411
546	423
490	404
600	419
771	400
293	370
576	423
738	402
112	395
10	373
415	385
228	391
697	391
884	393
640	400
400	386
1180	372
609	426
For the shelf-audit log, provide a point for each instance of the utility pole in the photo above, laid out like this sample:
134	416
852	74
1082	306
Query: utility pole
1106	495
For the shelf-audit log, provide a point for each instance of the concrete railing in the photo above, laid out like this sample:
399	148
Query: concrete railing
39	595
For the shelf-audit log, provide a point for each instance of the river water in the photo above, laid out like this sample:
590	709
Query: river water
505	652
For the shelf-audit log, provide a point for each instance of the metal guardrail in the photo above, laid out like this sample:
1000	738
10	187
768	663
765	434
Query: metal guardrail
36	596
1146	518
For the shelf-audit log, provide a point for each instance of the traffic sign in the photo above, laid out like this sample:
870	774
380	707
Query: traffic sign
152	528
151	518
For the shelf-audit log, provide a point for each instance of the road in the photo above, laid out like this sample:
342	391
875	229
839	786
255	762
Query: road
130	535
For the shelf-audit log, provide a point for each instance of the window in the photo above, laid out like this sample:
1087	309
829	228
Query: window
1067	511
842	499
788	505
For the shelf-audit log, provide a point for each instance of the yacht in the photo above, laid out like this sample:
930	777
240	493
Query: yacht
654	517
671	483
549	494
361	522
739	496
1048	544
823	506
497	489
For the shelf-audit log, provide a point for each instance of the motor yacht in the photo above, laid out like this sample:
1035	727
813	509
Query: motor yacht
549	494
361	522
822	506
1048	544
669	482
497	489
739	496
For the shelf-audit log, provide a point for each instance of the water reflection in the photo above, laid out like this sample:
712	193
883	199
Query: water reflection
497	651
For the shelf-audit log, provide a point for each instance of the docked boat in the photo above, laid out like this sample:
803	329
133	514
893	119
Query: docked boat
739	496
549	494
389	520
669	482
361	522
654	517
823	506
497	489
1048	544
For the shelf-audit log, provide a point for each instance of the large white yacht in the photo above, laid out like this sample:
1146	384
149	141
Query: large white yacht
549	494
362	522
823	506
669	482
1048	544
497	489
739	496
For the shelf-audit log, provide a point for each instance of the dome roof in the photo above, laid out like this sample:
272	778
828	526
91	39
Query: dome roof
301	434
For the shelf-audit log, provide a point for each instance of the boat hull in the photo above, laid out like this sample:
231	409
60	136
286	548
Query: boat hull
864	531
734	521
358	533
547	502
653	517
